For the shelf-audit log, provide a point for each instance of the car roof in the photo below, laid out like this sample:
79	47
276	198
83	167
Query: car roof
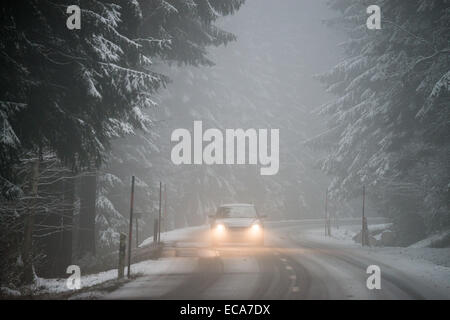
236	205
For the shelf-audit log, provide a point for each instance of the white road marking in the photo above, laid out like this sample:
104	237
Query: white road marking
293	277
288	268
283	259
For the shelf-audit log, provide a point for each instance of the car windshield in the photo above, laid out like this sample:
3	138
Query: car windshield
236	212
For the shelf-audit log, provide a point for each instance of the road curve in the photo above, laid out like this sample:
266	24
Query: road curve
289	266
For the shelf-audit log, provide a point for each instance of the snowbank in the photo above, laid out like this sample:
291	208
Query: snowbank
418	253
431	240
174	235
148	267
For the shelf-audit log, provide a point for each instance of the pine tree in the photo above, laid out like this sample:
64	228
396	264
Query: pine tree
389	123
188	29
69	93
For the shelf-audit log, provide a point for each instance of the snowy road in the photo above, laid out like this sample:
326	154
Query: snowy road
297	262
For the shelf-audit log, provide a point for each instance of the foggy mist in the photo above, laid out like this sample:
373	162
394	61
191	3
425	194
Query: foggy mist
224	149
265	79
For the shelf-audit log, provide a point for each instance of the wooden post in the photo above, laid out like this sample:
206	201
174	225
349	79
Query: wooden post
27	248
86	230
137	232
165	209
155	231
122	249
366	233
325	225
159	219
336	220
130	231
364	223
67	221
327	218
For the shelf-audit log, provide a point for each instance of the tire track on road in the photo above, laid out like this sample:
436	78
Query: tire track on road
356	262
209	271
281	278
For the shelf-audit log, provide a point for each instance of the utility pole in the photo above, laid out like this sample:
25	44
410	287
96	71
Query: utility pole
131	226
155	231
122	246
362	226
337	221
364	231
327	218
159	220
325	225
165	208
29	223
137	232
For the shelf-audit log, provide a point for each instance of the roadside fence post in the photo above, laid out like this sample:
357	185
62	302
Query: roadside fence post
122	249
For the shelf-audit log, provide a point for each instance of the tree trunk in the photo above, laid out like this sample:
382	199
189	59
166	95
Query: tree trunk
60	246
48	240
86	238
54	235
67	222
27	249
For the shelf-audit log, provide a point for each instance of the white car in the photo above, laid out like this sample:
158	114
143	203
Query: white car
237	222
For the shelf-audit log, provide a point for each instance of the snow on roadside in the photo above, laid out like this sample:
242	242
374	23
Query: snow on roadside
427	268
431	240
173	235
149	267
9	292
430	264
343	235
418	251
379	227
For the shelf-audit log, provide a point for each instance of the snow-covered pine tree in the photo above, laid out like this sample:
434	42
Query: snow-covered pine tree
71	92
169	32
390	121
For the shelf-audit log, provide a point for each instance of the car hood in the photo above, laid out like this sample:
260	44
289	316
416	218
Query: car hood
237	222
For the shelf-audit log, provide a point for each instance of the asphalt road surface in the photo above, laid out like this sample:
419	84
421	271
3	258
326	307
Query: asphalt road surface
287	267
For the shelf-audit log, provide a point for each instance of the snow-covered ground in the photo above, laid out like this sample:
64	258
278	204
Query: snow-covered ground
419	251
431	240
344	234
149	267
173	235
430	265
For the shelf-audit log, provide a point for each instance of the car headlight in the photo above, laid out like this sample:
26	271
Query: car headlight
220	227
256	227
